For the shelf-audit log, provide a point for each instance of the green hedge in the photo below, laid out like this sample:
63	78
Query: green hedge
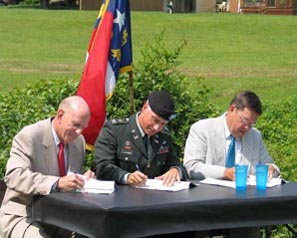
157	70
25	106
279	130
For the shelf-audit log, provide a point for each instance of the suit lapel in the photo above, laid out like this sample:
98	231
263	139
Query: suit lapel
50	150
220	141
248	147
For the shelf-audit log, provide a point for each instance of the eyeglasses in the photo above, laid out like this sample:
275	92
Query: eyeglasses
246	122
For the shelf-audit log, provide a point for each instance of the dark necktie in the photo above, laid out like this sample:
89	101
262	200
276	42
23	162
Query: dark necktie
61	160
145	141
230	158
148	146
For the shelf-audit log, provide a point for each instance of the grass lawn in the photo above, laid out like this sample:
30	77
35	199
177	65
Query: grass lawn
232	52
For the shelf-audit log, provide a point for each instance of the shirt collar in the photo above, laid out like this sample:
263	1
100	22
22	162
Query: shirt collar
138	125
56	138
226	128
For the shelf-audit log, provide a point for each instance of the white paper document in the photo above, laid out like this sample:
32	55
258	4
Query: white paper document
157	184
219	182
95	186
251	181
98	186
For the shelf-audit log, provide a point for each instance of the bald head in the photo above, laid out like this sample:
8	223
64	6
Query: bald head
72	117
76	104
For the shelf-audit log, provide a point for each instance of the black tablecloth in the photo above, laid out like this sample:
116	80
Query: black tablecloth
133	212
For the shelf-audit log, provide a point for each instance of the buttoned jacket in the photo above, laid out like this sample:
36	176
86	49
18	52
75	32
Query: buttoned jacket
120	149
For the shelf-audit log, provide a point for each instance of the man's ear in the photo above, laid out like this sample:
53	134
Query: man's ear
60	114
145	105
232	108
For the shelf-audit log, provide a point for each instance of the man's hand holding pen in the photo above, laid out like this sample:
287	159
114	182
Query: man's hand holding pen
136	178
70	182
73	181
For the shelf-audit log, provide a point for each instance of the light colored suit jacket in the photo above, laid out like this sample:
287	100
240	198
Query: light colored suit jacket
205	149
32	169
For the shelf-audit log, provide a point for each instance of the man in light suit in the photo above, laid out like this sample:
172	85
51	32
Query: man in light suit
33	169
208	141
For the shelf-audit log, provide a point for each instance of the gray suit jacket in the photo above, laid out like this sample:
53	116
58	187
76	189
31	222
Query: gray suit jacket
32	169
205	150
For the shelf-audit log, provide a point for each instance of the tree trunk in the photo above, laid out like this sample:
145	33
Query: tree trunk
44	4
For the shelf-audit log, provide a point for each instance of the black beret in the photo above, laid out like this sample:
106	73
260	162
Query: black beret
162	104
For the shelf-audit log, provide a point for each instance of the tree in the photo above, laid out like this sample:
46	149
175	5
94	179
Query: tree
44	4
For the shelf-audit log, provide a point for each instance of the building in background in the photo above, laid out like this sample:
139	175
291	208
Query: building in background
205	6
276	7
135	5
179	6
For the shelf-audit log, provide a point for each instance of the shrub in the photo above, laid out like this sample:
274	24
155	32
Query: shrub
26	106
279	132
157	70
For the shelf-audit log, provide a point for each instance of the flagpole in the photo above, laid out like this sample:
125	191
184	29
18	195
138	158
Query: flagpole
131	92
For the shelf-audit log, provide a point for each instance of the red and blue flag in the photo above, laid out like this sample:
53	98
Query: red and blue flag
109	54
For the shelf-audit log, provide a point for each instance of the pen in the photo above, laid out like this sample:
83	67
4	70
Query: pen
137	167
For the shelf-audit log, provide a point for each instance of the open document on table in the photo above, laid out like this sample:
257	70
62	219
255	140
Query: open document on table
96	186
250	181
157	184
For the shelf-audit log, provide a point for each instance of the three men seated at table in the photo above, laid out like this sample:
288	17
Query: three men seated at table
128	151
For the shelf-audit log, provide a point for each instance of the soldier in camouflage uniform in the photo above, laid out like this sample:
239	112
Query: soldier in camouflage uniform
122	153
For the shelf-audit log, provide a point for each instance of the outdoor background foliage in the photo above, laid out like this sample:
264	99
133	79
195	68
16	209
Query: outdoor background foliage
157	70
26	106
231	51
